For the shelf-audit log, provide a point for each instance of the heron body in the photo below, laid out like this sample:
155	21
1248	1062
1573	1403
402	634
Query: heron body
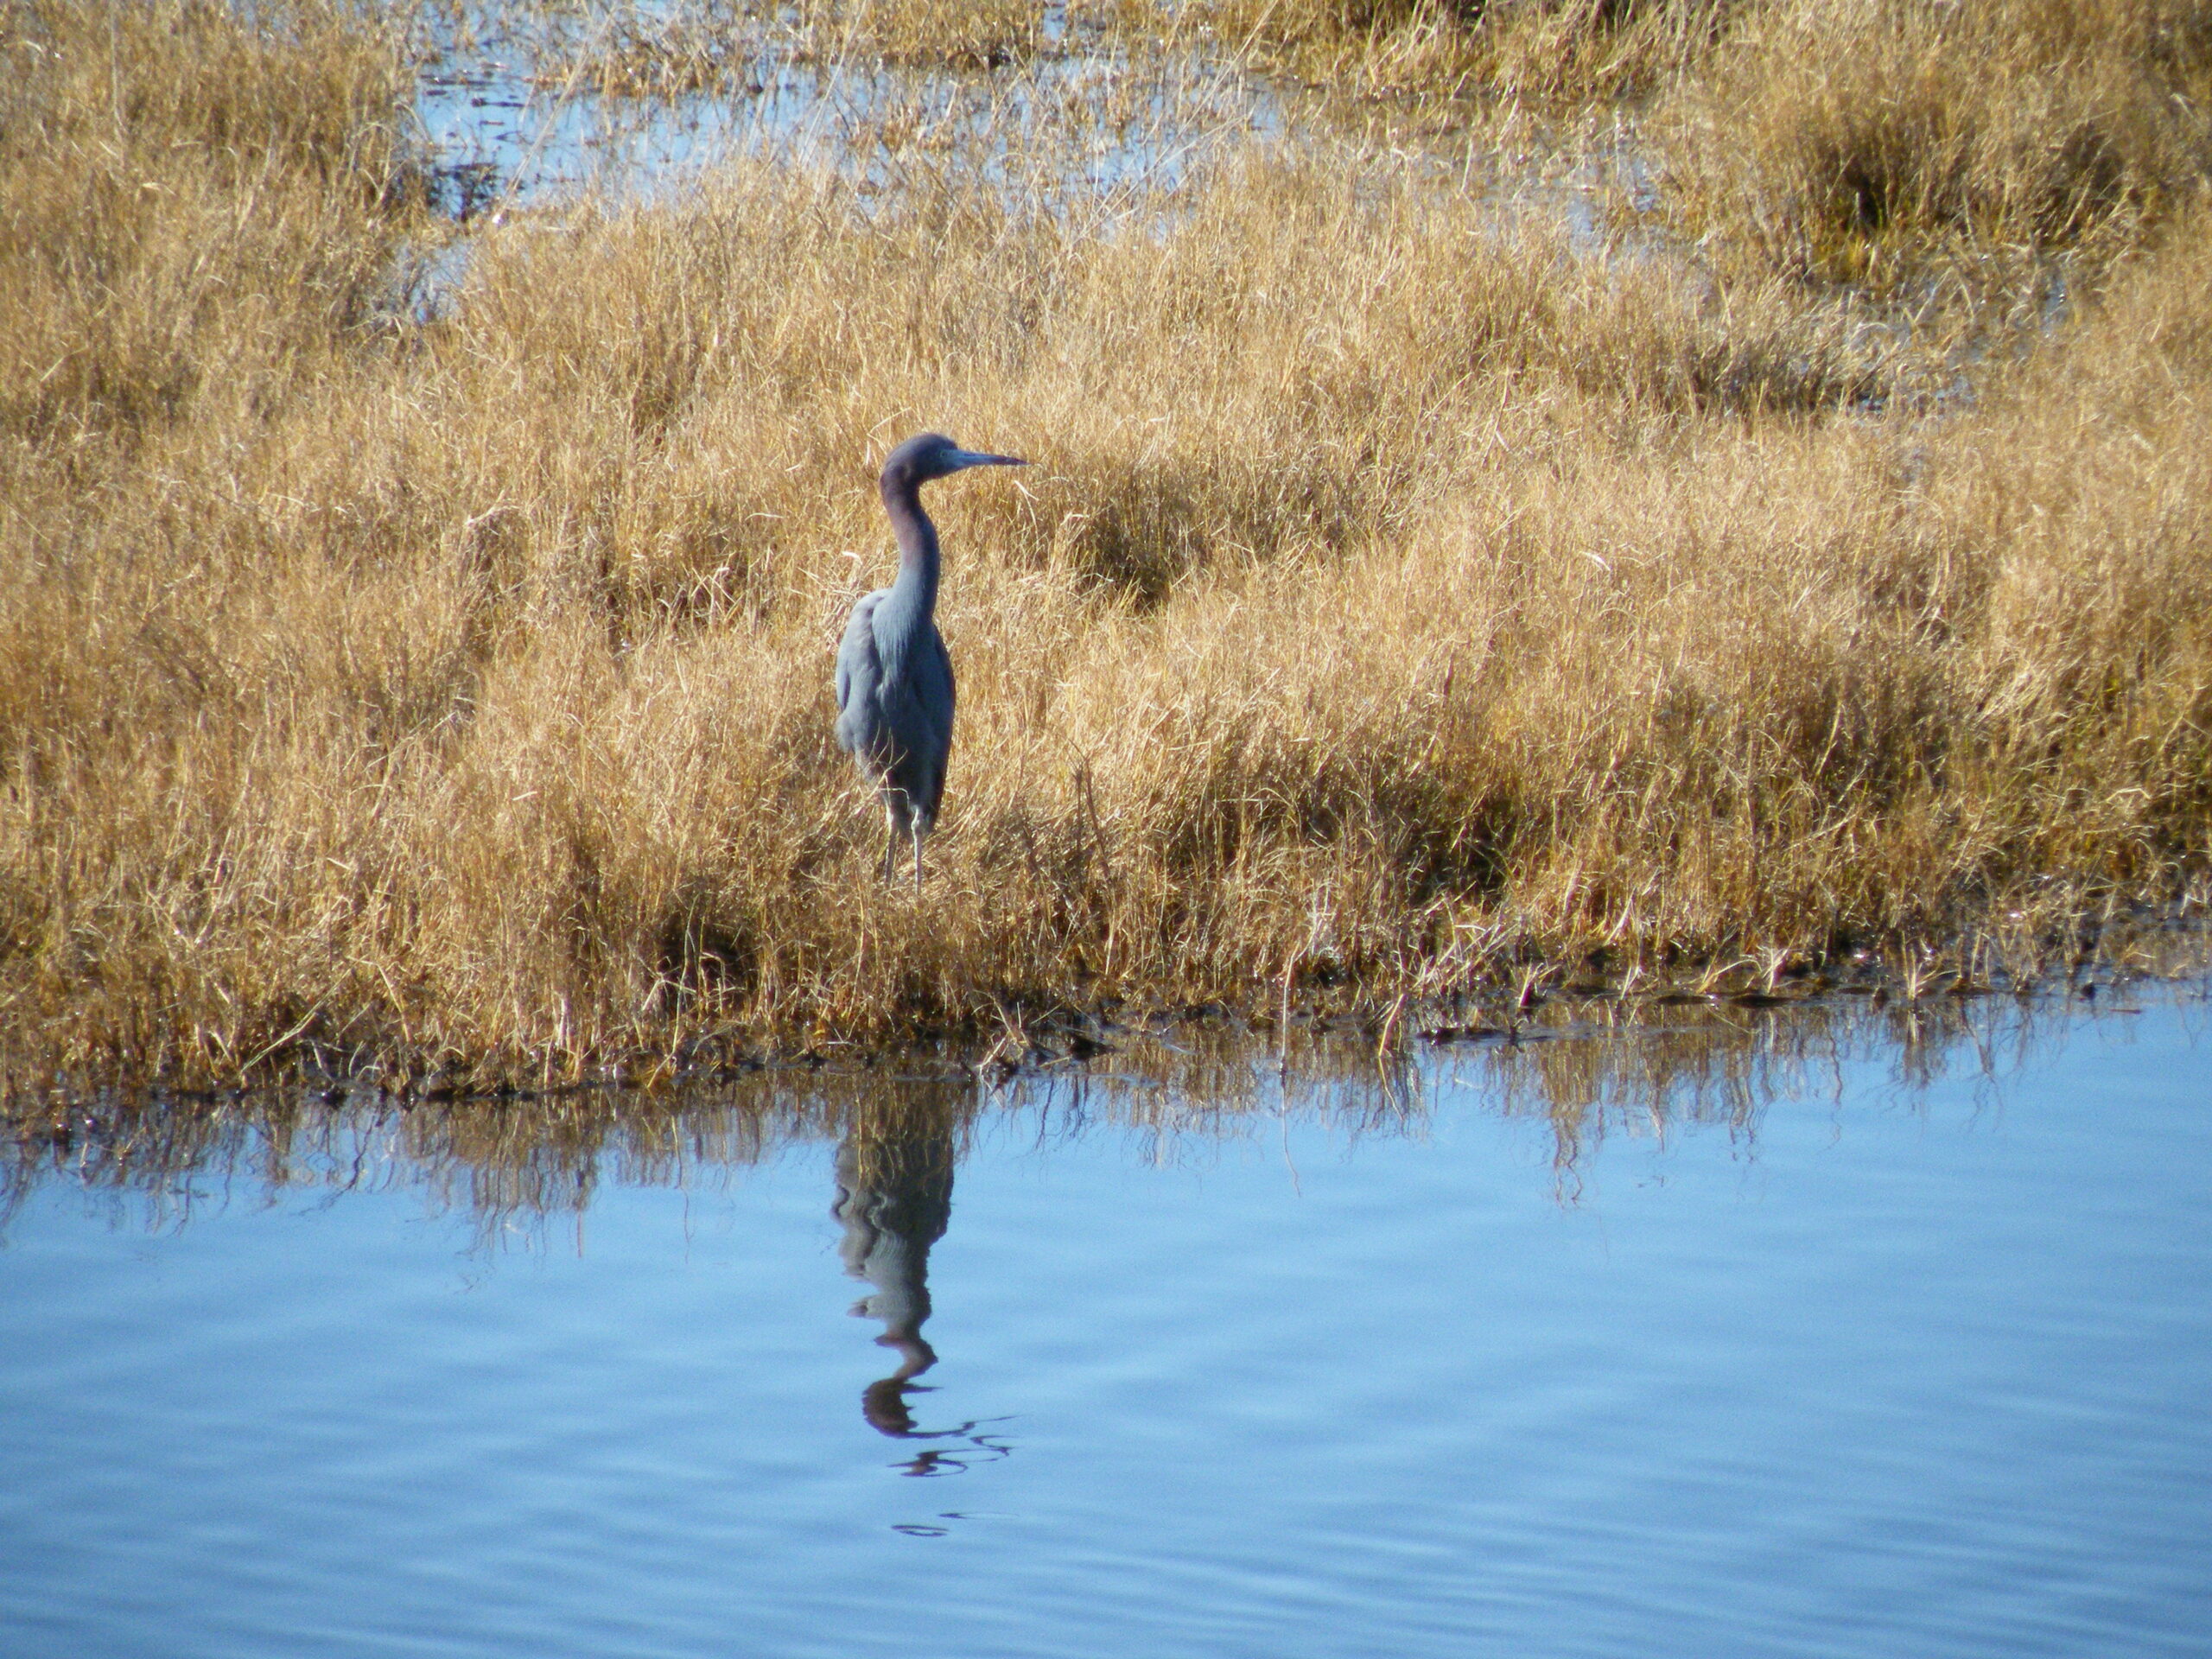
894	676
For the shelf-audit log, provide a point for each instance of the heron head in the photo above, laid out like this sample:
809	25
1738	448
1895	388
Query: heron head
934	455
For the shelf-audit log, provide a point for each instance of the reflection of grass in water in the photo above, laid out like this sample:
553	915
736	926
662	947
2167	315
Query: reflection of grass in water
1400	596
522	1166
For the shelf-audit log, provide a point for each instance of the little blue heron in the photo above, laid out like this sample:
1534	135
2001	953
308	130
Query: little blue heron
895	678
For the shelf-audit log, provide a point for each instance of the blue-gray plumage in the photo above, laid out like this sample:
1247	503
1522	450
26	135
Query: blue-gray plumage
895	679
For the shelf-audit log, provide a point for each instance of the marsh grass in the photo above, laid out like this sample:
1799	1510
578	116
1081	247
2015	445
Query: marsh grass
715	46
1408	597
1887	143
1549	52
188	202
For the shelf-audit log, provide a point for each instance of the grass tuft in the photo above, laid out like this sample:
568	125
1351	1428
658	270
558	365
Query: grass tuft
1551	52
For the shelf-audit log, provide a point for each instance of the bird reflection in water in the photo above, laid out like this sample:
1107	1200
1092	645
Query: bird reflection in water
895	1200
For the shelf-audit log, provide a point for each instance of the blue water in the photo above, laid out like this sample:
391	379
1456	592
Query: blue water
1863	1352
507	135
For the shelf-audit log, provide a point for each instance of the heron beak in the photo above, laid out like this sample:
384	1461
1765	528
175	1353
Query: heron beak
976	458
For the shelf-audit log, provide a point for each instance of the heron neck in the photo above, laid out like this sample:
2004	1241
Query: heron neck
915	593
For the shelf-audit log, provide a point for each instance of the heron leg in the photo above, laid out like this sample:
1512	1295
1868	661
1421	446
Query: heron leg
917	855
899	820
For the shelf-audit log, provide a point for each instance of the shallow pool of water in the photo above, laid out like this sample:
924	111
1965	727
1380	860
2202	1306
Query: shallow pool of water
1808	1340
506	131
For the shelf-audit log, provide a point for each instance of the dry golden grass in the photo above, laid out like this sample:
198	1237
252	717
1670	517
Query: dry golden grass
1887	142
1405	594
188	204
1546	51
671	50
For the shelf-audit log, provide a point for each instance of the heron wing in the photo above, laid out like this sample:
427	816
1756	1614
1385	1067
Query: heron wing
932	695
860	676
934	677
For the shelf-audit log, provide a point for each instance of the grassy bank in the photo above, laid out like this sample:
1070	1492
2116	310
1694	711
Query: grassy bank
1407	592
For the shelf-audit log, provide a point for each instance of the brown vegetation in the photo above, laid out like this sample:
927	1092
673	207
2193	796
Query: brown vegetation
1407	594
725	45
1546	50
1881	142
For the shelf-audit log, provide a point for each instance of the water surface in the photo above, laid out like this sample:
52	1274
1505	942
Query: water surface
1826	1333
